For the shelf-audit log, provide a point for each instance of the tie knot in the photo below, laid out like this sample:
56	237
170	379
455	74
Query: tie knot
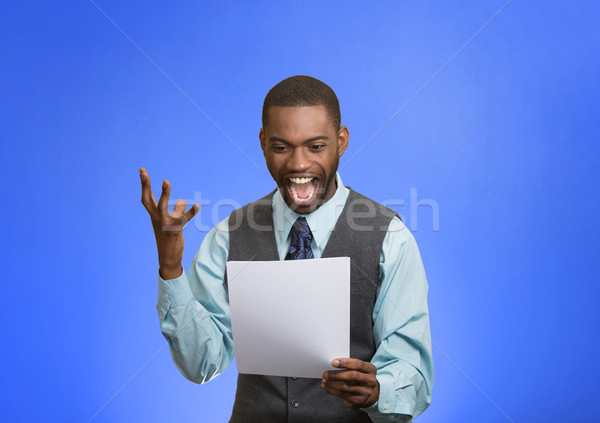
301	228
300	238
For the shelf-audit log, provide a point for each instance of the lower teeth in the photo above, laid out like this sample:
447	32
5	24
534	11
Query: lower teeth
298	199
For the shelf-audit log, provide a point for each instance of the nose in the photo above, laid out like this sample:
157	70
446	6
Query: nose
299	161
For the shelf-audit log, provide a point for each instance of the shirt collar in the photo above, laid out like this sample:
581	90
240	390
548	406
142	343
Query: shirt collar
321	221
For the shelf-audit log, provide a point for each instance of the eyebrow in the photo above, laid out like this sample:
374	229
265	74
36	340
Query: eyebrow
306	141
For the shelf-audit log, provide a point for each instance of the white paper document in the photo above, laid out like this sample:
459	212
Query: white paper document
290	318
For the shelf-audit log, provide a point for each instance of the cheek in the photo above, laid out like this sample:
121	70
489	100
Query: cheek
273	165
332	163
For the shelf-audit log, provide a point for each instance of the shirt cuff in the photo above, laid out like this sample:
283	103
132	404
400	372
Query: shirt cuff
172	293
390	406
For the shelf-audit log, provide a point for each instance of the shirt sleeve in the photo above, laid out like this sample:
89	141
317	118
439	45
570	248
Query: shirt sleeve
401	330
193	310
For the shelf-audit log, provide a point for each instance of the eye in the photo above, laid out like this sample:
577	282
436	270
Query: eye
317	147
279	148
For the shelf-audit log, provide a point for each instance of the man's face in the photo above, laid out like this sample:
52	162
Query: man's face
303	149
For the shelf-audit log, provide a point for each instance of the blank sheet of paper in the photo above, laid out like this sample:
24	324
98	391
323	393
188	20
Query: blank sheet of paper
290	318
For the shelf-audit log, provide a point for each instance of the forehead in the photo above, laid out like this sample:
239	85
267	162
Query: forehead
303	121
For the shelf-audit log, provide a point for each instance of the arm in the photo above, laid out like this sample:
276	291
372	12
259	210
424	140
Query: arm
401	330
193	309
396	385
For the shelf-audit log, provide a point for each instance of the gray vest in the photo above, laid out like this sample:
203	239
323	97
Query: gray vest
358	234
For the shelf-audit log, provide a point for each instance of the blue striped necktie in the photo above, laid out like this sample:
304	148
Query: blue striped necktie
300	241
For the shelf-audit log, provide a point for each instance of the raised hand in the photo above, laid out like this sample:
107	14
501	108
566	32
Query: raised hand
168	227
356	384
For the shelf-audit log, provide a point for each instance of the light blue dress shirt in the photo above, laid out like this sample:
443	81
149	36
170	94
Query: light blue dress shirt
194	309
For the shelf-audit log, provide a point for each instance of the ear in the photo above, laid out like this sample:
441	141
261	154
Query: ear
263	141
343	138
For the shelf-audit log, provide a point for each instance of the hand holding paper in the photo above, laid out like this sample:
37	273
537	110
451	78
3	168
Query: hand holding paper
356	384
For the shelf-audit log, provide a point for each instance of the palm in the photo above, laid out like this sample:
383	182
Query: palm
168	227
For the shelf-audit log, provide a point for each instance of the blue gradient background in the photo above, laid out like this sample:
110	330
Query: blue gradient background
504	139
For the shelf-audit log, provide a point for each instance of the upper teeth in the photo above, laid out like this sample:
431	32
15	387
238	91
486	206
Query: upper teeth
301	180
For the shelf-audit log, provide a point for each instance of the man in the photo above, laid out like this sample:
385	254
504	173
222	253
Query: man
311	214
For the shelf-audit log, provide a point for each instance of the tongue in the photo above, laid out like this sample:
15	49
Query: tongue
303	190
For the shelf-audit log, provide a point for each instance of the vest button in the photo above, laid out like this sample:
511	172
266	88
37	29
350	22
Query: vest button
295	403
294	378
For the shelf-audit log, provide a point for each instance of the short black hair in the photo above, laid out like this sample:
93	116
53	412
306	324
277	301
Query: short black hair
302	90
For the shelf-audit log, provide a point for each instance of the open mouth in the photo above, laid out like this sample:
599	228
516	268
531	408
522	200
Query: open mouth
303	189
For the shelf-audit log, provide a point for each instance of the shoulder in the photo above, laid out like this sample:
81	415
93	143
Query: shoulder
214	248
399	233
398	236
219	234
357	201
259	207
